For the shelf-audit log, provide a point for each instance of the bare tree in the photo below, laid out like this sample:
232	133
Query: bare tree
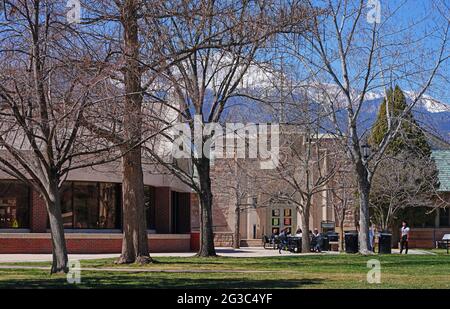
46	82
304	173
401	182
231	35
343	193
358	55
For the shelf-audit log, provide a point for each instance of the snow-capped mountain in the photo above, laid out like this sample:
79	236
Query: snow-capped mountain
430	113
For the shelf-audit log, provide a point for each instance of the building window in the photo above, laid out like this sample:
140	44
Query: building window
444	217
109	203
66	205
85	206
180	213
14	205
149	204
91	205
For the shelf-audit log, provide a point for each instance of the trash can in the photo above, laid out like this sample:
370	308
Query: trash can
385	243
351	242
325	245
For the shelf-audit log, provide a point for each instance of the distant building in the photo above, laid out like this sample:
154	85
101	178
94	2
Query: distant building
259	192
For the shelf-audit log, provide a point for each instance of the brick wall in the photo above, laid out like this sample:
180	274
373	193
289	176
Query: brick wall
195	213
38	222
29	243
223	239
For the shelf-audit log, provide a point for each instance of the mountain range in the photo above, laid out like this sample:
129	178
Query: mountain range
431	114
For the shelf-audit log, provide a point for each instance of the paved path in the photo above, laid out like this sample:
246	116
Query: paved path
414	252
243	252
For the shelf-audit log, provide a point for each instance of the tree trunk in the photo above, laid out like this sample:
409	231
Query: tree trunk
59	249
364	216
135	241
206	227
306	243
237	232
341	233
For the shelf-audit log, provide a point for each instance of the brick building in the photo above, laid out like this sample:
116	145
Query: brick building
262	212
91	207
428	232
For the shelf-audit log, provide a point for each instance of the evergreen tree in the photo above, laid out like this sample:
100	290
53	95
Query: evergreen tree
407	177
410	138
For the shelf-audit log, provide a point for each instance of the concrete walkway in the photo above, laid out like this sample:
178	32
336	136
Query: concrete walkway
243	252
414	252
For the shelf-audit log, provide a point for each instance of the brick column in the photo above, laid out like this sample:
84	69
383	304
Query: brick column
195	222
38	213
162	210
195	213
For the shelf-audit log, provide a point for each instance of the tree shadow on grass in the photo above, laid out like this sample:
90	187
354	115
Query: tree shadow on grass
157	282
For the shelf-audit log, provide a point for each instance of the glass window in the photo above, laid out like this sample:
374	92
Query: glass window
444	217
149	207
92	205
14	205
85	205
66	205
287	221
287	212
108	206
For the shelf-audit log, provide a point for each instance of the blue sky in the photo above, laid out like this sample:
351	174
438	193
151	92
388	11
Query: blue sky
425	17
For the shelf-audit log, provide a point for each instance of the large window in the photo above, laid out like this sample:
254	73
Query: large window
149	196
444	217
91	205
181	223
14	205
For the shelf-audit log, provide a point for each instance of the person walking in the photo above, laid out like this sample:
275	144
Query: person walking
282	238
317	241
404	237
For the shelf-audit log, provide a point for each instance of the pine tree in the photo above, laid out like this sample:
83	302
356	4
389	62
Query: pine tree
407	176
410	138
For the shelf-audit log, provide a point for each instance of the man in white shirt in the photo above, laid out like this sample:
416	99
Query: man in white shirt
404	238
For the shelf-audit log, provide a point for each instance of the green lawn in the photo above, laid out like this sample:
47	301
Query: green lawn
318	271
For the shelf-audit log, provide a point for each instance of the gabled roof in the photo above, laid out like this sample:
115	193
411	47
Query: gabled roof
442	159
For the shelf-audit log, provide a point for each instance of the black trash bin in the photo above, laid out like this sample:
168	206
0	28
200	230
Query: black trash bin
325	245
333	236
385	243
351	242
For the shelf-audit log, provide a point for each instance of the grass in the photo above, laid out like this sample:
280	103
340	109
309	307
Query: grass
314	271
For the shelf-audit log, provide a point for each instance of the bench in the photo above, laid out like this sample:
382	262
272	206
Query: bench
270	243
444	243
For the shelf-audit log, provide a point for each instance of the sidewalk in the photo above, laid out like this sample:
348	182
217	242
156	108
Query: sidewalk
229	252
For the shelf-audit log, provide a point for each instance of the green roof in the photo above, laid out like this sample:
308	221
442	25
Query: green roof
442	159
